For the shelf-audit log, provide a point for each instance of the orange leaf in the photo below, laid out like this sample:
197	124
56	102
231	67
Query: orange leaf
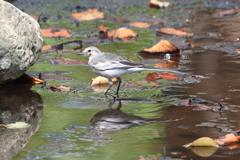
26	79
90	14
172	31
163	46
140	24
101	28
46	47
227	12
60	88
56	32
101	80
122	33
229	138
169	76
152	77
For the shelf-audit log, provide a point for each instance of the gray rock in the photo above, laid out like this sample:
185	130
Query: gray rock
21	42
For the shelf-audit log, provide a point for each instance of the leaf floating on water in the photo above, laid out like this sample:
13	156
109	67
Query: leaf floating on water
60	88
229	138
88	15
101	28
140	24
169	76
56	32
18	125
46	47
152	77
164	46
101	80
172	31
122	33
203	142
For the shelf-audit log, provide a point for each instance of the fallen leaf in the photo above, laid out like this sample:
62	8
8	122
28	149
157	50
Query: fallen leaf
90	14
26	79
203	142
61	88
101	80
140	24
67	61
101	28
169	76
158	4
164	46
122	33
229	138
227	12
172	31
18	125
46	47
152	77
53	77
56	32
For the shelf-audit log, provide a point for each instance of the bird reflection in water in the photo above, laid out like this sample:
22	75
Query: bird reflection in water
112	120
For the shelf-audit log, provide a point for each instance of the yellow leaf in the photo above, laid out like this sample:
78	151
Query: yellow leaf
203	142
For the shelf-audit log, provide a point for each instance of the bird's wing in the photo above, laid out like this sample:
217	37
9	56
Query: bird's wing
110	61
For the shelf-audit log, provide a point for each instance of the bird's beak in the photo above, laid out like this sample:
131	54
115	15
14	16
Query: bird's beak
81	53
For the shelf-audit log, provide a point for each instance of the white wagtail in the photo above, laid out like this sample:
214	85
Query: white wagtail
110	66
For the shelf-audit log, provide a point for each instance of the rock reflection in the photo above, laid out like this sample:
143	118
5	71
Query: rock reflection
113	120
15	107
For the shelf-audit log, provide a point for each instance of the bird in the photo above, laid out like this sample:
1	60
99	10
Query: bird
110	66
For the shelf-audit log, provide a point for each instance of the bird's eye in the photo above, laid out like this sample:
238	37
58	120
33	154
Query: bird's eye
89	50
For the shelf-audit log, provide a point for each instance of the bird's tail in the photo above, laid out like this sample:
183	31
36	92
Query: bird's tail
162	69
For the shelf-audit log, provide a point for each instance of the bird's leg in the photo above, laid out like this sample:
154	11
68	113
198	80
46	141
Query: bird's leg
119	83
110	85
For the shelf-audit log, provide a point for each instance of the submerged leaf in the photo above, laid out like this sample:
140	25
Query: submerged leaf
90	14
18	125
68	61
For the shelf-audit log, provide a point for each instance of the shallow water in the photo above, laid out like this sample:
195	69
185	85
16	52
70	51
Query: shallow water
84	126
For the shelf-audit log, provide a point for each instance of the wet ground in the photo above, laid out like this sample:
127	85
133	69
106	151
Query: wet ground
84	125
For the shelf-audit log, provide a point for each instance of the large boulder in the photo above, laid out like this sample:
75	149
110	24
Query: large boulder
21	42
